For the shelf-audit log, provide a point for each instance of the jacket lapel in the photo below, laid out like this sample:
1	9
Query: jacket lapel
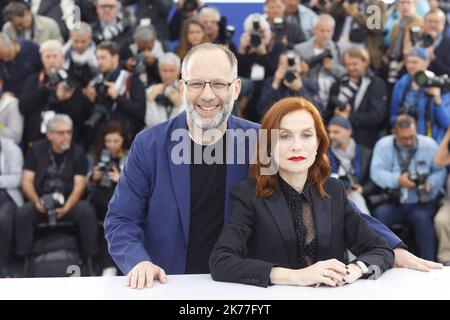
278	208
180	172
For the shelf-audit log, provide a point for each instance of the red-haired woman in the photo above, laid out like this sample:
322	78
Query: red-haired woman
293	226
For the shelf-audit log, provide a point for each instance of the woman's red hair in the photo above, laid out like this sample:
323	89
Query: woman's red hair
317	173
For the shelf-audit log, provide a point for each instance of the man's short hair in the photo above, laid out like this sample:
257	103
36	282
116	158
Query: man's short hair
59	117
209	47
404	121
206	11
84	29
358	52
145	33
170	58
324	17
51	45
14	9
110	46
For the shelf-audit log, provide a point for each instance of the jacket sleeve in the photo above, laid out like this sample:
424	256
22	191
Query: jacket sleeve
363	242
126	211
12	178
395	100
380	168
228	261
383	231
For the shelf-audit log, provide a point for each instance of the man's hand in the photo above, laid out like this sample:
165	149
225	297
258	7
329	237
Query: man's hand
112	90
39	207
61	212
405	182
294	85
327	63
142	275
90	93
63	94
343	113
405	259
157	89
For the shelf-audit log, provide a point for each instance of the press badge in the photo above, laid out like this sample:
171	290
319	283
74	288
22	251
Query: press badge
257	72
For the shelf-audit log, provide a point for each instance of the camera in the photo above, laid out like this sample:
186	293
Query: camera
424	41
55	77
387	195
50	202
140	65
291	70
347	91
428	79
349	181
421	181
164	100
105	165
100	112
319	58
190	5
255	35
278	27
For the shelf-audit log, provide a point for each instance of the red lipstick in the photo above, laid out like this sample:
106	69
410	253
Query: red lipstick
296	159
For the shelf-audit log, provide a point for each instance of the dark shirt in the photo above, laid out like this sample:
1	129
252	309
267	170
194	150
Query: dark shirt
27	62
208	186
300	205
66	165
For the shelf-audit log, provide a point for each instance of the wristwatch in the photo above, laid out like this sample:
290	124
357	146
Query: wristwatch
362	266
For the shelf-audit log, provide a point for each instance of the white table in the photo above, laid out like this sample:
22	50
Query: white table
394	284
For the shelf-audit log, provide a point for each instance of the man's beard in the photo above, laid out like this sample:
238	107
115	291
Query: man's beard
209	123
64	146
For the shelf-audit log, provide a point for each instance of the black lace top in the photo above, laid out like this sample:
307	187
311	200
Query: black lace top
300	206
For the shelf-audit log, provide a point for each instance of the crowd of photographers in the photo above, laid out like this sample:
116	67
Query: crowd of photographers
74	96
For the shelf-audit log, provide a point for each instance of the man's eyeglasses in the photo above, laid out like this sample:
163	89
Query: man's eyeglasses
218	86
63	132
107	6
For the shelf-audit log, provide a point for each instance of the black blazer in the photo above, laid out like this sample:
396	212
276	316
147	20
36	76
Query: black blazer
260	235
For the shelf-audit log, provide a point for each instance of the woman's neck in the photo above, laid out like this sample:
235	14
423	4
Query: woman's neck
295	180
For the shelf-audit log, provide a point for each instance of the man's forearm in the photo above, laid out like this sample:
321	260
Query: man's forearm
30	191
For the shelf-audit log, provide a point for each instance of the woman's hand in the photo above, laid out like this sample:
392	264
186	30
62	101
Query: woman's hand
330	272
96	174
114	175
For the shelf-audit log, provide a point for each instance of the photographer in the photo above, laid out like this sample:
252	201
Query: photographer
404	162
141	56
287	81
48	92
300	15
360	97
442	217
288	31
11	162
164	99
115	94
350	162
185	9
322	56
408	27
23	25
111	25
18	59
430	106
79	55
257	57
109	158
434	25
354	28
155	10
54	183
213	25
